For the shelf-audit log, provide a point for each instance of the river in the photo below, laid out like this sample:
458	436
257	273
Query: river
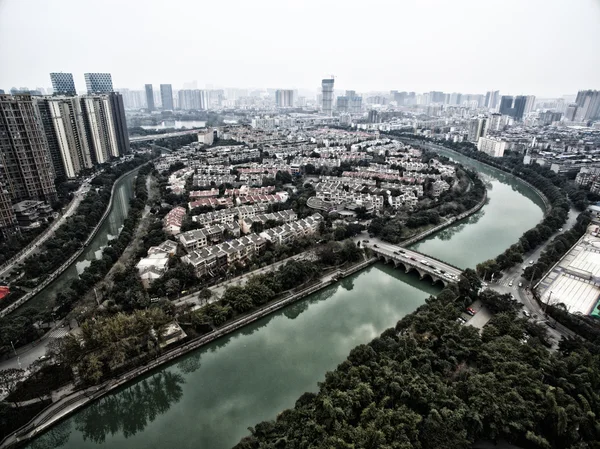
109	230
210	397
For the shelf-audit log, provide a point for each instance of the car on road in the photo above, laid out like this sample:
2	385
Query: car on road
471	311
510	284
526	313
412	258
531	262
396	252
375	246
560	229
461	320
402	251
365	241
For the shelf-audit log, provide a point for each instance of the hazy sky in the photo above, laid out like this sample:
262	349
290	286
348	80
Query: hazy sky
540	47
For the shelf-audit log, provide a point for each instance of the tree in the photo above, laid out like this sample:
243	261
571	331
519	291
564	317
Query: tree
172	287
205	295
9	378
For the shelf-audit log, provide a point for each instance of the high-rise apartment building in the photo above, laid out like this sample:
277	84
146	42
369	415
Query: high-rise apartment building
149	97
8	219
191	99
588	105
98	83
63	83
26	169
327	99
477	129
64	126
104	117
570	112
513	106
342	104
166	95
492	146
529	104
284	98
491	99
83	131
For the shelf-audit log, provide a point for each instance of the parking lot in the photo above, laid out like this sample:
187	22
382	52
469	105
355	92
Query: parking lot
481	317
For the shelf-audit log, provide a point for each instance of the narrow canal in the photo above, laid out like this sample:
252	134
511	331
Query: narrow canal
109	230
209	398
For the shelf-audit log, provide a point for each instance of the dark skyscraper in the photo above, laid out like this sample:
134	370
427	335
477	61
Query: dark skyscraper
63	83
588	105
166	96
506	105
98	83
513	106
26	168
149	97
519	107
119	122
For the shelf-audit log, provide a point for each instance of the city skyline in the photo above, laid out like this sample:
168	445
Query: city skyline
475	55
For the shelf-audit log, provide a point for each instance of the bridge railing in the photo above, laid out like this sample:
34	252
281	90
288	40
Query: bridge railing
417	265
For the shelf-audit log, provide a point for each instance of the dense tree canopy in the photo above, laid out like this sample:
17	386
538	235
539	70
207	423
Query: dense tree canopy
432	383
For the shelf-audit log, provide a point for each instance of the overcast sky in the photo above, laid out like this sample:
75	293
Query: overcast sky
540	47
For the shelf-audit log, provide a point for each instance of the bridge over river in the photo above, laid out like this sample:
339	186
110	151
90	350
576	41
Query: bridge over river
410	260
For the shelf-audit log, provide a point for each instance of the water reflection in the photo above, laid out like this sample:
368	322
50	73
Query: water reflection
132	410
209	397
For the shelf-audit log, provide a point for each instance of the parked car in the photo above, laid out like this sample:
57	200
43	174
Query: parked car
531	262
510	284
471	311
520	284
365	241
461	320
526	313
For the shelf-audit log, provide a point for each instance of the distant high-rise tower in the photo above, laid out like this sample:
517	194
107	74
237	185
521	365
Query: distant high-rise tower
491	99
519	106
25	165
529	103
98	83
513	106
149	97
166	95
63	83
588	105
284	98
327	92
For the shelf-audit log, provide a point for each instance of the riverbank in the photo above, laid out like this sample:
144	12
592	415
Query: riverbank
543	198
74	401
78	399
59	271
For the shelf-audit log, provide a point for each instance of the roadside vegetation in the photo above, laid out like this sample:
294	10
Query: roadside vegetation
19	327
